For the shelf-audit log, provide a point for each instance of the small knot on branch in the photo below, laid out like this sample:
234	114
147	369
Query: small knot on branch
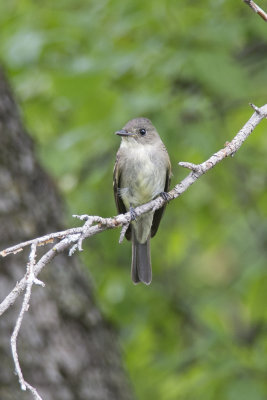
191	166
255	108
123	232
38	282
83	217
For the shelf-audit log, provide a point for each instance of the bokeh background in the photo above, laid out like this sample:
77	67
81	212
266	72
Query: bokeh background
80	69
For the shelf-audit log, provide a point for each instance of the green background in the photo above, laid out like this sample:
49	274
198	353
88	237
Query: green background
80	69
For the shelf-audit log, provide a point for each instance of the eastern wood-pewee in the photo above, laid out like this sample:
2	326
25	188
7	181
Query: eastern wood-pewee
142	172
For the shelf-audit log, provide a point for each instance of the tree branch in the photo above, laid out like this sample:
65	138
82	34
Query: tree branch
25	306
257	9
72	239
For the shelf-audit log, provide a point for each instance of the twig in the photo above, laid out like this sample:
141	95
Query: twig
30	280
72	238
123	232
229	149
257	9
43	240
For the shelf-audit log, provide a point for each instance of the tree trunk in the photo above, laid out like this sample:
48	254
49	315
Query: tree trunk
66	349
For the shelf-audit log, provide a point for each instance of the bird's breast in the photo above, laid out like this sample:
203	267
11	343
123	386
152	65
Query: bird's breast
142	178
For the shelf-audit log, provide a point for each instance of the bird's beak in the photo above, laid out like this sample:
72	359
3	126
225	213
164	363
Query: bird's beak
123	132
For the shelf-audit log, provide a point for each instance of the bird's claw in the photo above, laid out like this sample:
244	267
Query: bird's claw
165	196
133	214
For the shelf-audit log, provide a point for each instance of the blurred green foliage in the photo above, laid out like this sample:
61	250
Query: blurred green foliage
80	70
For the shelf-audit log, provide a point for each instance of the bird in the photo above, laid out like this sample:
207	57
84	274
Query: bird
142	172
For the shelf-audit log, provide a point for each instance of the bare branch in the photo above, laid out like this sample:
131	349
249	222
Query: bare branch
30	280
40	241
257	9
72	238
95	224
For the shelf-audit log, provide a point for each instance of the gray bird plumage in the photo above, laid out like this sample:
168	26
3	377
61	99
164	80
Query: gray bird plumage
142	171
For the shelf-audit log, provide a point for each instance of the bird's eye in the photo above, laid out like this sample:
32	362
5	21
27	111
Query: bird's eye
142	131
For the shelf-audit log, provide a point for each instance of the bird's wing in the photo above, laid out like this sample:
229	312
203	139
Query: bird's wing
158	213
118	200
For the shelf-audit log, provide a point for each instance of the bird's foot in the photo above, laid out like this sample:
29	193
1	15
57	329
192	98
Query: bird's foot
165	196
133	214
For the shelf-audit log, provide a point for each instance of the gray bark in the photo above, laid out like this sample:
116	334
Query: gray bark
66	349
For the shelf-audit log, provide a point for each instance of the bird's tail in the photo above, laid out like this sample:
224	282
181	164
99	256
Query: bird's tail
141	261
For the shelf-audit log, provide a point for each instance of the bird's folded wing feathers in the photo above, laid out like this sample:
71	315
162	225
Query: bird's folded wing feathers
118	200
